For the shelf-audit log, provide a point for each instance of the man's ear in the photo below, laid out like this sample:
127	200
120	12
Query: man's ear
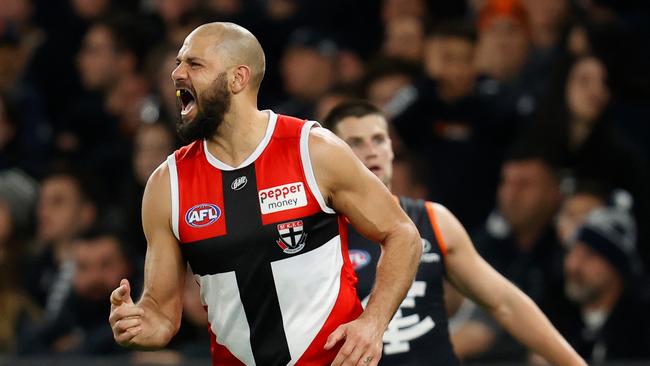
241	79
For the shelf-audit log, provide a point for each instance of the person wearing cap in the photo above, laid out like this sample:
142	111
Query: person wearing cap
606	318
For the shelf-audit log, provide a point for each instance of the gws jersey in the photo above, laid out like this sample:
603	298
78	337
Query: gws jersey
417	334
269	254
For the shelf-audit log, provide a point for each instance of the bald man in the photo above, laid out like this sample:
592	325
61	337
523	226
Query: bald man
255	204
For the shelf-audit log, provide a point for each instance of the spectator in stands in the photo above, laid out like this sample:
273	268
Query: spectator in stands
388	85
547	21
584	198
17	197
100	260
448	119
404	39
608	318
151	146
508	73
578	123
518	241
307	50
100	119
395	9
65	209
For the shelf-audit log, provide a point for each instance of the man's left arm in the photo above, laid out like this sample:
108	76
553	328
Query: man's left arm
513	309
353	191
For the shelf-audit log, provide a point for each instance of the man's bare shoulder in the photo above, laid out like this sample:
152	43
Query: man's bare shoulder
159	179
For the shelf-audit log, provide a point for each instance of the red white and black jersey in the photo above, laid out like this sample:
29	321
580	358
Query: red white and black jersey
269	254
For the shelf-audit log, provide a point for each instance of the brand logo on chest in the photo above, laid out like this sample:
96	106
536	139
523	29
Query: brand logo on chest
239	183
202	215
281	198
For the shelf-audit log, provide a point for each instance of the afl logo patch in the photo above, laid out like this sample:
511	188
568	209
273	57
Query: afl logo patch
359	258
239	183
202	215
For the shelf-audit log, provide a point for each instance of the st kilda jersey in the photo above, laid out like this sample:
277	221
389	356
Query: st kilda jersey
417	335
270	256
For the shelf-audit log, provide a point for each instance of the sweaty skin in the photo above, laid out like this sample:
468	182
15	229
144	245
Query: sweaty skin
348	187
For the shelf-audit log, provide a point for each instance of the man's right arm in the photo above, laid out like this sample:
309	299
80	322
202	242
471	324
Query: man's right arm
153	321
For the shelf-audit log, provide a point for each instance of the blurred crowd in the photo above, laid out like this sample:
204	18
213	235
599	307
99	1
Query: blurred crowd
528	119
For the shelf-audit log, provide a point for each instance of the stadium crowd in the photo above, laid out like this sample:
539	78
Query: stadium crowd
528	119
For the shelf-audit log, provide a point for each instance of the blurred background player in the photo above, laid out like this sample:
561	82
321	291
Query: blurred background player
418	333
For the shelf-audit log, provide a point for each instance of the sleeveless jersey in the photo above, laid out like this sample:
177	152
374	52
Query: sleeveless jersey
417	334
270	256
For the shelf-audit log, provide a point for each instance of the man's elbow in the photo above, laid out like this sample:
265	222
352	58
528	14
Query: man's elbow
413	242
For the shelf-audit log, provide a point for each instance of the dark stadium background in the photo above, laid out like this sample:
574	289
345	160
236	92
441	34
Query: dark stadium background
87	111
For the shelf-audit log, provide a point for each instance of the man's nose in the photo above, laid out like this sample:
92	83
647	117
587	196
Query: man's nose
179	73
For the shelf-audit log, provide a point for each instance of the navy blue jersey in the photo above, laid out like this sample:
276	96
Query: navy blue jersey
417	334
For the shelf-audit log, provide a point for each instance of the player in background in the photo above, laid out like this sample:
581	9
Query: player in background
418	333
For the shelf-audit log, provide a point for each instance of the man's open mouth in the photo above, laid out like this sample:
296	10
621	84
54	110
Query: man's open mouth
186	99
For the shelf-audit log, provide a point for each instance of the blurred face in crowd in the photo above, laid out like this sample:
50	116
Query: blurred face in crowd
404	39
62	211
306	73
368	138
450	61
171	10
100	265
90	9
202	89
547	13
586	89
502	48
528	194
152	145
588	275
394	9
98	59
382	90
573	212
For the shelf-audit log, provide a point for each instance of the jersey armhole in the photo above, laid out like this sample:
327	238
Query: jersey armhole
307	167
173	180
436	230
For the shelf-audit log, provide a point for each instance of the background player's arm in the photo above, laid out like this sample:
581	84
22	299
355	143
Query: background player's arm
153	321
515	311
355	192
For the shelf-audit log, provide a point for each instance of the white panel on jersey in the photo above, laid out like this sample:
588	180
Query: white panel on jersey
307	286
307	168
173	181
226	314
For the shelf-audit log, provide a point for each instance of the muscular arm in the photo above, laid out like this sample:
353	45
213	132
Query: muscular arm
515	311
153	321
355	192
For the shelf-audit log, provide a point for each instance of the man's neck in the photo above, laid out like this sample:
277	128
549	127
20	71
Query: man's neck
239	135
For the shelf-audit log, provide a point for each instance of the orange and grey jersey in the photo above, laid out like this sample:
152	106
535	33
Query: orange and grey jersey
270	256
417	335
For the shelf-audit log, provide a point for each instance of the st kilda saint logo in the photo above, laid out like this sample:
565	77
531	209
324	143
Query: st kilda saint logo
292	236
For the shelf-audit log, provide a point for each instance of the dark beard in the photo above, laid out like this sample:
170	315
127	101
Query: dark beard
211	111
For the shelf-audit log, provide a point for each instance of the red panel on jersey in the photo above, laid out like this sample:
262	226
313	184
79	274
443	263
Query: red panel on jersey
279	170
201	212
221	356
